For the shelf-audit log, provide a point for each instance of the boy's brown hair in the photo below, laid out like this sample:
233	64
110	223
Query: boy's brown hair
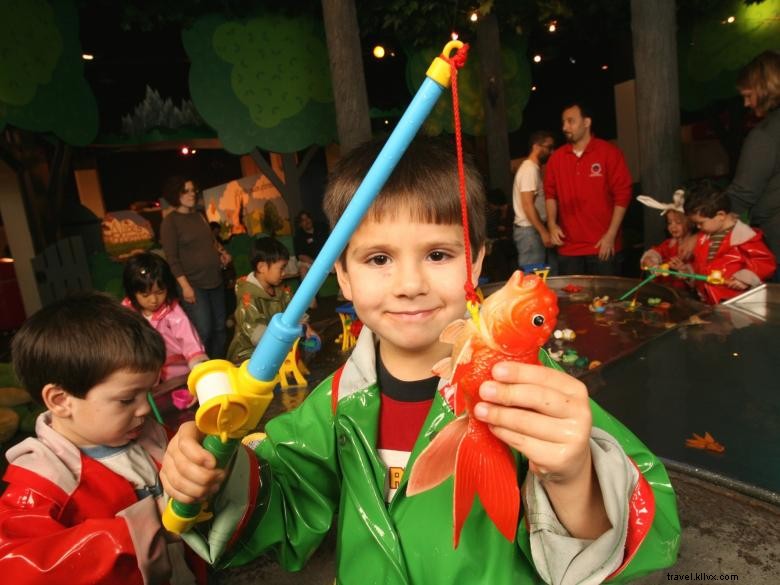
424	184
706	199
79	341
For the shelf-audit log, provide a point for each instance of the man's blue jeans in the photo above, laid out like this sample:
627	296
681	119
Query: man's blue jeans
531	250
207	314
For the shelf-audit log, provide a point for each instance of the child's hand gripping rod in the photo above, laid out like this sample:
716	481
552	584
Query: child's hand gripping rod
232	400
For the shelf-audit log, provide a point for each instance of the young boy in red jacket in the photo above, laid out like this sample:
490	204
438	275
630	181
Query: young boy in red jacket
726	247
83	498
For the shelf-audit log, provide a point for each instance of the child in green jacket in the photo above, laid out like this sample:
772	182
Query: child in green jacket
260	295
596	503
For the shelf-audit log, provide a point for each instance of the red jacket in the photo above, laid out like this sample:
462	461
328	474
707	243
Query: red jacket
664	252
67	518
742	255
587	190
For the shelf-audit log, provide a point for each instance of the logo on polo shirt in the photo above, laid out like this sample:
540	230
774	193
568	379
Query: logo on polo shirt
595	170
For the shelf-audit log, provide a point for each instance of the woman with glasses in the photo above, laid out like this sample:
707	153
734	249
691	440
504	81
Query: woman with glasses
196	260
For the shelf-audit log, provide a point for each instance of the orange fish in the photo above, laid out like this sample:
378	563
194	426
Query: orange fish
513	324
707	443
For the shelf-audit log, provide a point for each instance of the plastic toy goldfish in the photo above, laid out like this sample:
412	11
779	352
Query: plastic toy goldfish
513	324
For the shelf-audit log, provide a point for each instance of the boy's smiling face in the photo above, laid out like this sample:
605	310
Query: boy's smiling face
405	279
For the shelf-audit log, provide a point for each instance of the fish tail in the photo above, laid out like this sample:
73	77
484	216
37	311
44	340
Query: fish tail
437	461
484	465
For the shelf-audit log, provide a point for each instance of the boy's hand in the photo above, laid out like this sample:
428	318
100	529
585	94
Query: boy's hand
543	413
189	472
735	284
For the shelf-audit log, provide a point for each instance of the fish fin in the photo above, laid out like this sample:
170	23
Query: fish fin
437	461
451	331
461	361
485	466
443	368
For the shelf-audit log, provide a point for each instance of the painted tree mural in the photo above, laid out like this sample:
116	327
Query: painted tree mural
713	50
262	82
42	85
46	104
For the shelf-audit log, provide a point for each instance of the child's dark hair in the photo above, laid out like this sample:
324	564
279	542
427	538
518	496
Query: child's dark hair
79	341
706	199
142	272
268	250
424	184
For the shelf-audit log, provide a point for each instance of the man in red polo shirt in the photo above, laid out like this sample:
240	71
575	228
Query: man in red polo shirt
588	187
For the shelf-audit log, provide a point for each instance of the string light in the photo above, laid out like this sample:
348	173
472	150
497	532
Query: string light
185	150
604	67
474	17
379	51
553	26
730	19
87	56
454	36
537	58
533	88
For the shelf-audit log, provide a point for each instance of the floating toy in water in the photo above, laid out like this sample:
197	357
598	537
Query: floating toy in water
571	288
565	334
695	320
599	304
556	355
706	443
633	305
570	356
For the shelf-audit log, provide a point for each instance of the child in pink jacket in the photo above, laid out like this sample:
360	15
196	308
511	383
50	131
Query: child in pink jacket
151	290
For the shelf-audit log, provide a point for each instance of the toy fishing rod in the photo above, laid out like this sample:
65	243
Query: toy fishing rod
715	277
233	399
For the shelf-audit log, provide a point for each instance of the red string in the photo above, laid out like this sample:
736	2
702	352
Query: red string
456	62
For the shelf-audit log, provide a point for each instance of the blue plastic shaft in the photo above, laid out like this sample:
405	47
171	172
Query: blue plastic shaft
285	328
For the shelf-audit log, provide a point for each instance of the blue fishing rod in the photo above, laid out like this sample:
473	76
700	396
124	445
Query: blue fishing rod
233	399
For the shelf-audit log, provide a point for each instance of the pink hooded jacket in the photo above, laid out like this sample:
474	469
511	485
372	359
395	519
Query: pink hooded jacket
183	347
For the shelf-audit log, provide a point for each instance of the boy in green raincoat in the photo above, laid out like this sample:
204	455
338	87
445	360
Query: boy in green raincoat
596	504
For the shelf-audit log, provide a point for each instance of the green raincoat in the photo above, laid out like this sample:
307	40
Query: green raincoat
317	468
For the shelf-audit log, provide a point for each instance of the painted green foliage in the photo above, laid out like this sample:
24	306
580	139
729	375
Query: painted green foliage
517	88
42	84
262	82
713	51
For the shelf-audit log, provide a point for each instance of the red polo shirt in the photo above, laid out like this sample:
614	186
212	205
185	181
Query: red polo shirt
587	189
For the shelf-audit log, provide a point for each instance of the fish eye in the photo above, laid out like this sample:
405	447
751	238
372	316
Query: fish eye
538	320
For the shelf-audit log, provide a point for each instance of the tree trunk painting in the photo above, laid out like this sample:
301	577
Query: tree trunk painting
654	28
346	70
496	135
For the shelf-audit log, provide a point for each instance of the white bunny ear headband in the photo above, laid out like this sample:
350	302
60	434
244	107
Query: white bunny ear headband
677	204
